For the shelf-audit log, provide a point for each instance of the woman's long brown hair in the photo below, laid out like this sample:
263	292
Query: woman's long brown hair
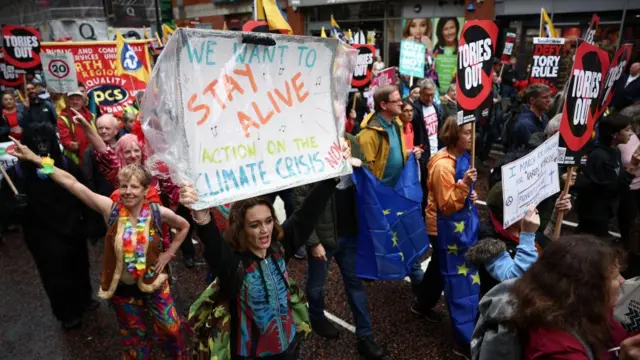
568	289
235	235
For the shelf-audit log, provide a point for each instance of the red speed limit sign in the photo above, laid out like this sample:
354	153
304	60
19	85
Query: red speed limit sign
58	68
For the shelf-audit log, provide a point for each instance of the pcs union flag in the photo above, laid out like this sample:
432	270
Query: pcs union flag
127	62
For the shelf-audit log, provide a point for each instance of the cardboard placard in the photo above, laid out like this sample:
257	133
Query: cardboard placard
618	65
545	65
474	82
529	180
95	65
21	47
59	71
363	73
579	115
412	58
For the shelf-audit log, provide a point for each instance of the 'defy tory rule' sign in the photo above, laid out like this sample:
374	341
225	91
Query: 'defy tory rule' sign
474	70
579	115
258	112
547	55
21	47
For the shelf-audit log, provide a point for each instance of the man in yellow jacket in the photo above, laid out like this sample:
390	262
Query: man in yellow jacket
382	142
381	137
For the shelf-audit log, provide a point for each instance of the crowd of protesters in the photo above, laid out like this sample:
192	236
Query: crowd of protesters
83	175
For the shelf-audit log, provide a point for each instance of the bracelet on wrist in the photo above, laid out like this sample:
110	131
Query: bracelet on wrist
203	221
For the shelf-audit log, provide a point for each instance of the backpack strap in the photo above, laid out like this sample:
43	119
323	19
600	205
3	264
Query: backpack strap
584	343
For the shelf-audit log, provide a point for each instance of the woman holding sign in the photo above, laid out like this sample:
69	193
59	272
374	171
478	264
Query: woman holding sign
452	224
253	304
134	276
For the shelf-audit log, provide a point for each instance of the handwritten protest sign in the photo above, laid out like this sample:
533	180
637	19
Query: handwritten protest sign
248	114
412	57
547	54
6	160
529	180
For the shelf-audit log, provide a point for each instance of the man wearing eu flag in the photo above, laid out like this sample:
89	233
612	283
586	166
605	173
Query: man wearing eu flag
382	142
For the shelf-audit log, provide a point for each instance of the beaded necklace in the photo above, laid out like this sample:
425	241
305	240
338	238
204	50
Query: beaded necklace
134	239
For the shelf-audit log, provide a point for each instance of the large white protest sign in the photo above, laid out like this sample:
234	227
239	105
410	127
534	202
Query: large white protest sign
6	160
529	180
59	72
412	57
240	115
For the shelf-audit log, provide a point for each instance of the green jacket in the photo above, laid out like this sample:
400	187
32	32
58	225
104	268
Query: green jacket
326	230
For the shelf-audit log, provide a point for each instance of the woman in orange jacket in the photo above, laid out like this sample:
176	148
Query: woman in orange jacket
451	194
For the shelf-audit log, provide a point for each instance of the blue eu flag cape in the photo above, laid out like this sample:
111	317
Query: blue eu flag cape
456	234
392	232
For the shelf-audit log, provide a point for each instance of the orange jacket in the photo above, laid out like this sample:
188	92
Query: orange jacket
445	194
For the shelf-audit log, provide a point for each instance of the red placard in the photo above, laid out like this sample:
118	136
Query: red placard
9	78
579	115
364	65
21	47
545	65
619	63
475	64
95	64
592	30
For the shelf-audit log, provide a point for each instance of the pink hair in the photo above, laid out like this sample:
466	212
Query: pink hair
124	142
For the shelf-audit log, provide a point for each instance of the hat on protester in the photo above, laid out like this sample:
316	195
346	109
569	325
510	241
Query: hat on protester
72	93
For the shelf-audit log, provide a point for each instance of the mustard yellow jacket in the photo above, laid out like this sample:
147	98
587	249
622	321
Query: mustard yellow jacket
374	141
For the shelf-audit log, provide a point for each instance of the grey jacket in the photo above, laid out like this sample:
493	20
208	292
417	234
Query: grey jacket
492	337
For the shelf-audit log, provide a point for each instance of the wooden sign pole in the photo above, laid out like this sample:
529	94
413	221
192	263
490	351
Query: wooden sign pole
565	191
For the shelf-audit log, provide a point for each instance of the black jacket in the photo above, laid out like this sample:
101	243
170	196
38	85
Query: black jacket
232	266
50	209
97	182
600	184
40	111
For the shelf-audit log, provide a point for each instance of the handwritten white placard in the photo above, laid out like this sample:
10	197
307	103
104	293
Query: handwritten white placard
257	118
529	180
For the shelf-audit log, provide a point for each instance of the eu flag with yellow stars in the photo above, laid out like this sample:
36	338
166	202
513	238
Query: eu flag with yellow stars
456	234
392	232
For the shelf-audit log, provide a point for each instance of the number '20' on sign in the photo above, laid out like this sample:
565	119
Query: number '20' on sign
58	68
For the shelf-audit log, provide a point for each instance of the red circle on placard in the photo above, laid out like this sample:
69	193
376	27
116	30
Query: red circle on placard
52	65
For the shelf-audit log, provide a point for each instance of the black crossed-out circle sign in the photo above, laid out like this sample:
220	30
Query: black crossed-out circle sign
58	68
